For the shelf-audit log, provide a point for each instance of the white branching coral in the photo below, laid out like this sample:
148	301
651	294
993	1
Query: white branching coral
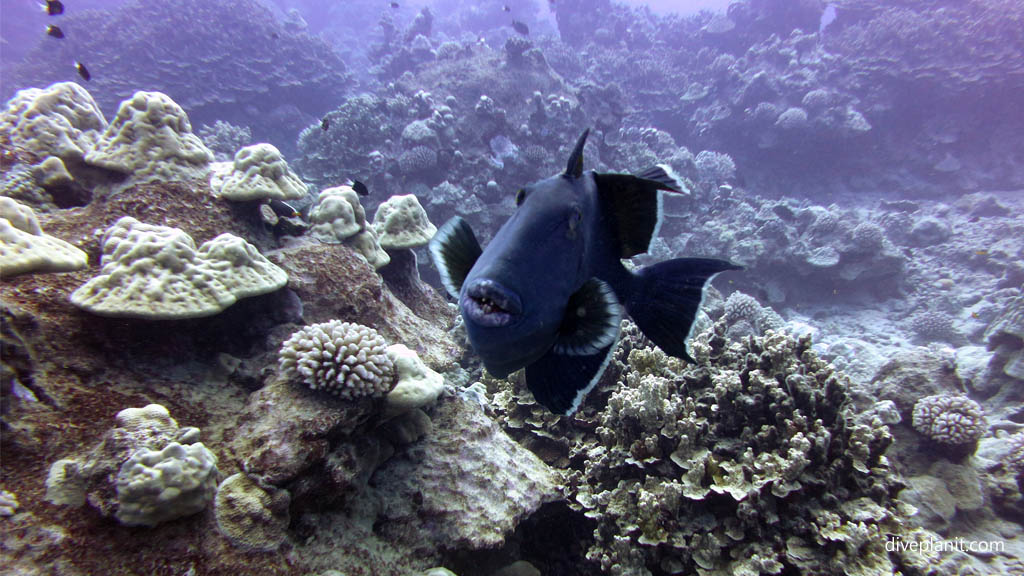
948	419
346	359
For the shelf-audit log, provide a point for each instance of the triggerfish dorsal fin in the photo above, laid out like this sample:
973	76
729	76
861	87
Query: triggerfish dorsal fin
591	320
634	207
574	168
454	249
664	174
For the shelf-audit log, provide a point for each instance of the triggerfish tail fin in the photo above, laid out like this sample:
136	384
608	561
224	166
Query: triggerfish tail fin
574	167
454	249
664	300
664	174
559	381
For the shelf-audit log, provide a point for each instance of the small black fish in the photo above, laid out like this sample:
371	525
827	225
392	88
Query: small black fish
284	209
54	31
359	187
83	71
549	291
325	124
53	7
521	28
394	5
275	35
506	8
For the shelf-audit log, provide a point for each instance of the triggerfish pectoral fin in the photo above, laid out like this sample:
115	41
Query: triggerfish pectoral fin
454	249
664	299
559	381
573	366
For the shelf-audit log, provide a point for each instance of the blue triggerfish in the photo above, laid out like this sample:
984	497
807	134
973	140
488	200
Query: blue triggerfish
550	290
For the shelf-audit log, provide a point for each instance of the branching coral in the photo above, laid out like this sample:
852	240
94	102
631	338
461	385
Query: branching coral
751	462
345	359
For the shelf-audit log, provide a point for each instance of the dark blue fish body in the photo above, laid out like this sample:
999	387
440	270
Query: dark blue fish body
550	290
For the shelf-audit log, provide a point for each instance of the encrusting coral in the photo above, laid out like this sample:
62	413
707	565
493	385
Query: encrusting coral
145	471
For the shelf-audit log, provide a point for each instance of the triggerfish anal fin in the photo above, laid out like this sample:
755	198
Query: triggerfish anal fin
664	299
574	167
454	249
591	321
559	382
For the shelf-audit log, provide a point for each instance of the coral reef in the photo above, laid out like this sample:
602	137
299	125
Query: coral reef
191	50
723	467
224	139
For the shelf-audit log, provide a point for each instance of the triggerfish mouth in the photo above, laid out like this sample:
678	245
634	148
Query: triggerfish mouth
549	291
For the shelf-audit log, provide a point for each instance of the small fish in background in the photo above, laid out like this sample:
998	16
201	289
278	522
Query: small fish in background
827	17
83	71
506	8
975	315
53	7
284	209
275	35
325	124
981	252
55	31
359	187
395	5
521	28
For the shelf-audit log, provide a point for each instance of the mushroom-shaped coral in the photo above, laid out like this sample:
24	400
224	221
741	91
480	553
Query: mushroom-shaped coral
261	173
337	215
366	244
151	139
60	120
401	223
156	273
950	420
346	359
24	248
155	486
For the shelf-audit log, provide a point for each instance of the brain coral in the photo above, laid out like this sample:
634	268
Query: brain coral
348	360
948	419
